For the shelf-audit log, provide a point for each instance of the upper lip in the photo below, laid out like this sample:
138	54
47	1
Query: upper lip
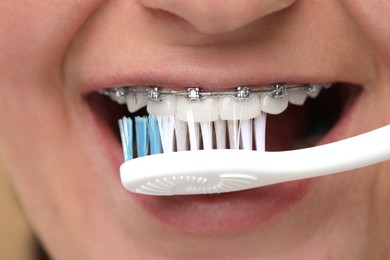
218	78
98	62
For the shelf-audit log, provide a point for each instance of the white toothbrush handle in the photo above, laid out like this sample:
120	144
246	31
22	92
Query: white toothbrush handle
217	171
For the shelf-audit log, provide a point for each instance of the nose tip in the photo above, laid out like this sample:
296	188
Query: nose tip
219	16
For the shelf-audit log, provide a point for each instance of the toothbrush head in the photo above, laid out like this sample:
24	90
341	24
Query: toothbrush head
177	179
228	170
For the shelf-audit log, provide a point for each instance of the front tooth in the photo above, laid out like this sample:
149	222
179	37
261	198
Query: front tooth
297	96
167	107
273	105
136	101
197	111
231	109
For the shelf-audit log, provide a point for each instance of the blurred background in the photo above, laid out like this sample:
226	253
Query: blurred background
16	238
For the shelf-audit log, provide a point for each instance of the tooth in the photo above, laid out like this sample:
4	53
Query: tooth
167	107
197	111
136	101
230	109
316	90
297	96
272	105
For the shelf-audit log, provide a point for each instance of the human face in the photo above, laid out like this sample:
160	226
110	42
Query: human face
64	159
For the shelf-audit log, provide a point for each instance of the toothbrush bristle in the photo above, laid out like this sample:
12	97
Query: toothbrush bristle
164	134
166	126
126	132
260	126
181	132
207	135
246	134
234	134
193	132
141	133
220	133
154	136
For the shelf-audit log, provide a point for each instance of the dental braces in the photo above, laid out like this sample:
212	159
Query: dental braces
194	94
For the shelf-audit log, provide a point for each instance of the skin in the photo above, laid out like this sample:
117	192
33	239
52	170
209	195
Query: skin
53	52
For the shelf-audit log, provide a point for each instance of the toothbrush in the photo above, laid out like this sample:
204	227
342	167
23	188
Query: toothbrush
226	170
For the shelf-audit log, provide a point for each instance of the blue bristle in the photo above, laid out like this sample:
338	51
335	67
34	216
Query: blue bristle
126	131
141	132
154	136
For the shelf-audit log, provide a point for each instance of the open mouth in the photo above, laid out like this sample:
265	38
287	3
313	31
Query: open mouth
308	120
277	118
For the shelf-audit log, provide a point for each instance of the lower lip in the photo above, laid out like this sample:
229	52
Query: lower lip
225	213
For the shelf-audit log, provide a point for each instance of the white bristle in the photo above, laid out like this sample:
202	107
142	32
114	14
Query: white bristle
246	134
234	134
181	135
193	132
169	134
220	133
207	135
166	126
260	128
